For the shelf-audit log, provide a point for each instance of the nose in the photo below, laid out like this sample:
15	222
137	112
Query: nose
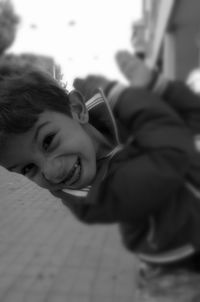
53	170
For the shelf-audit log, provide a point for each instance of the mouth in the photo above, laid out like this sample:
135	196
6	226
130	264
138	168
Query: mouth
73	175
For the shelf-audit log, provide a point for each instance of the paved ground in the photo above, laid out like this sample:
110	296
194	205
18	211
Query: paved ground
47	256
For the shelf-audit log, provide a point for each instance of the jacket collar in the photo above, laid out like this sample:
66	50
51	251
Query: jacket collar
102	118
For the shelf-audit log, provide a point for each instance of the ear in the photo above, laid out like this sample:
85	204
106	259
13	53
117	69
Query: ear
78	108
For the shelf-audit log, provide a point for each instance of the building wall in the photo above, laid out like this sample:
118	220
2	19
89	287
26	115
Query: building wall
173	28
186	51
169	55
184	31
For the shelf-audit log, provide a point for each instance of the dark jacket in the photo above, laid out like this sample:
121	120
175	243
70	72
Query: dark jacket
187	104
142	184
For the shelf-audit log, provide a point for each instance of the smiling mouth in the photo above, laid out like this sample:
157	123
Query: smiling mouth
74	174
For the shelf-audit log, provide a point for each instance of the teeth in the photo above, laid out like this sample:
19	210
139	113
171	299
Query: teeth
74	174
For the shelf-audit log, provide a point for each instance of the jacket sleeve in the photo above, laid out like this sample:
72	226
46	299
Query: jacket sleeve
151	122
176	94
144	182
180	97
185	102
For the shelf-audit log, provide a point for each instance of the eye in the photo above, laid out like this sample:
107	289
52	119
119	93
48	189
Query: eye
28	169
46	144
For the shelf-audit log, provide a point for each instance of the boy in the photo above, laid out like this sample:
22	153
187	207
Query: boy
128	166
167	274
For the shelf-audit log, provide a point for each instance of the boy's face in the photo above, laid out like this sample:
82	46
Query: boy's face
57	153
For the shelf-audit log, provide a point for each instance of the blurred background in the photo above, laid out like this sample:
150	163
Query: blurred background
81	36
77	38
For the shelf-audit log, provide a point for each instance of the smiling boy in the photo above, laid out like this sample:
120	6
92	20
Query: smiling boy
125	166
50	155
57	152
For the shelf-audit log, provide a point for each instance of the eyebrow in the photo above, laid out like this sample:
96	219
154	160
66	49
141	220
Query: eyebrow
38	129
12	168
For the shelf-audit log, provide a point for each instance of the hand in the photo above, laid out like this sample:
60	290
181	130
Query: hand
134	69
88	85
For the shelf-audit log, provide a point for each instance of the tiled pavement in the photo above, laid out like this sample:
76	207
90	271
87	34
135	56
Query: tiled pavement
47	256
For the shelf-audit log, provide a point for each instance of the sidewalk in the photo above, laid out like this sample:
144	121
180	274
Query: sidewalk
47	256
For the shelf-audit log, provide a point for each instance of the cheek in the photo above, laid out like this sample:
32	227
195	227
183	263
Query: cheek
40	181
90	150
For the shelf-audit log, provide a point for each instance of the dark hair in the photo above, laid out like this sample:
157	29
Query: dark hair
24	94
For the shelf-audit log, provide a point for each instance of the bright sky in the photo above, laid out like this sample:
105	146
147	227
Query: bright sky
82	35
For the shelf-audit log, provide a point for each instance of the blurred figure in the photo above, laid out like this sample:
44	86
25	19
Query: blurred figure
193	80
8	25
130	66
24	61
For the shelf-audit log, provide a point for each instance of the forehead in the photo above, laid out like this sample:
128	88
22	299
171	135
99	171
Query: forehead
19	144
16	144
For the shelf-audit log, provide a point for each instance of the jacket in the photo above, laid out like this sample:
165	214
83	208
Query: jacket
142	183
